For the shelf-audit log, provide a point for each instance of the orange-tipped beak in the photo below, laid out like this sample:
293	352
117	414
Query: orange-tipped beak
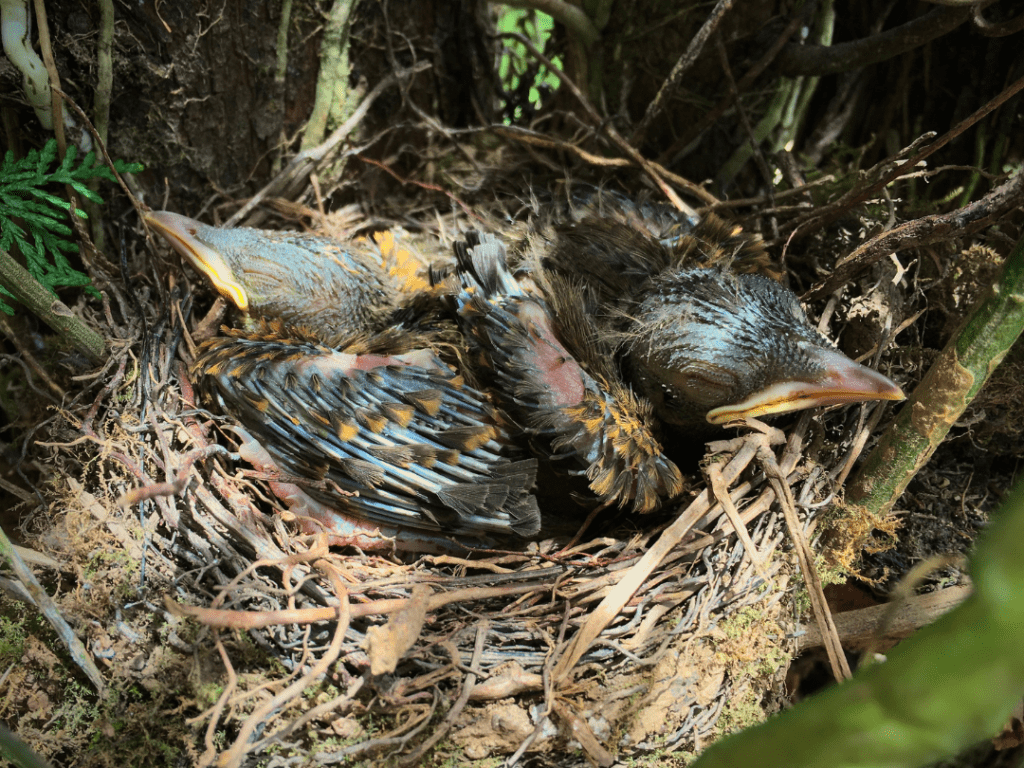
183	235
844	381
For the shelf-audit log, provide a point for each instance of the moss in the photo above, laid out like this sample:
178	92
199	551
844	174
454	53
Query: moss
740	713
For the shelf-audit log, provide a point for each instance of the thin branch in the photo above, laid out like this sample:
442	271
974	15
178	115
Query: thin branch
726	101
671	83
928	229
805	557
657	173
46	606
825	216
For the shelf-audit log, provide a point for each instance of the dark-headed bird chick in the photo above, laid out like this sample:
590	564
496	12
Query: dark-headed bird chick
701	333
612	328
343	400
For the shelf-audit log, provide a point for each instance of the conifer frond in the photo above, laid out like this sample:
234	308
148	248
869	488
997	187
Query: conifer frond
33	214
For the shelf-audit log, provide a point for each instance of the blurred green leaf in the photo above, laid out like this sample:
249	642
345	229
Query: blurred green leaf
522	78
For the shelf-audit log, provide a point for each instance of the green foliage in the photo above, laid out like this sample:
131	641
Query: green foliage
521	76
24	197
12	640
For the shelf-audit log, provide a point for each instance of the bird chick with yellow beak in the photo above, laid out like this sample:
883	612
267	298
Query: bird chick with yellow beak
343	397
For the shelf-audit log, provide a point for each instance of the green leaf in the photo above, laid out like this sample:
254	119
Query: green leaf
34	213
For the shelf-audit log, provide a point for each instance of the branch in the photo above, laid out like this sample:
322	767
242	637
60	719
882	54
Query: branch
574	18
822	60
950	385
49	308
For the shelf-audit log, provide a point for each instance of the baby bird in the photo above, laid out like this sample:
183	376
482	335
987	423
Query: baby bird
617	324
703	330
342	398
613	323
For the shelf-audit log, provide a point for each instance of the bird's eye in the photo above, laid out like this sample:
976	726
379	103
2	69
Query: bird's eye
705	384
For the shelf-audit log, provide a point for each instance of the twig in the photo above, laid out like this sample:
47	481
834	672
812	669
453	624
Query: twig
825	216
281	49
54	75
990	29
858	627
583	527
101	102
176	486
526	136
210	754
212	617
582	733
28	361
671	84
833	646
962	222
313	715
101	146
754	144
721	492
425	185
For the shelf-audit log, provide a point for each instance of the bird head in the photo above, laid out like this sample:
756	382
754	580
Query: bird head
208	251
713	346
304	280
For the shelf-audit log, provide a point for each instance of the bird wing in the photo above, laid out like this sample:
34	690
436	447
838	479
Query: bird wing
392	439
590	420
615	245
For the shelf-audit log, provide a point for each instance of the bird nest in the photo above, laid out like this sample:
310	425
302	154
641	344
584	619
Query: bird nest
643	636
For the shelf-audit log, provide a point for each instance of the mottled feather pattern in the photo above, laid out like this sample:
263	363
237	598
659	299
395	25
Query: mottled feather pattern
444	464
593	424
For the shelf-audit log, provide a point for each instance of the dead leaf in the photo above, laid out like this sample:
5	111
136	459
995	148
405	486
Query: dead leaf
386	645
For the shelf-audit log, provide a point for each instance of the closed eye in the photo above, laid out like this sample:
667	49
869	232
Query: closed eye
704	384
